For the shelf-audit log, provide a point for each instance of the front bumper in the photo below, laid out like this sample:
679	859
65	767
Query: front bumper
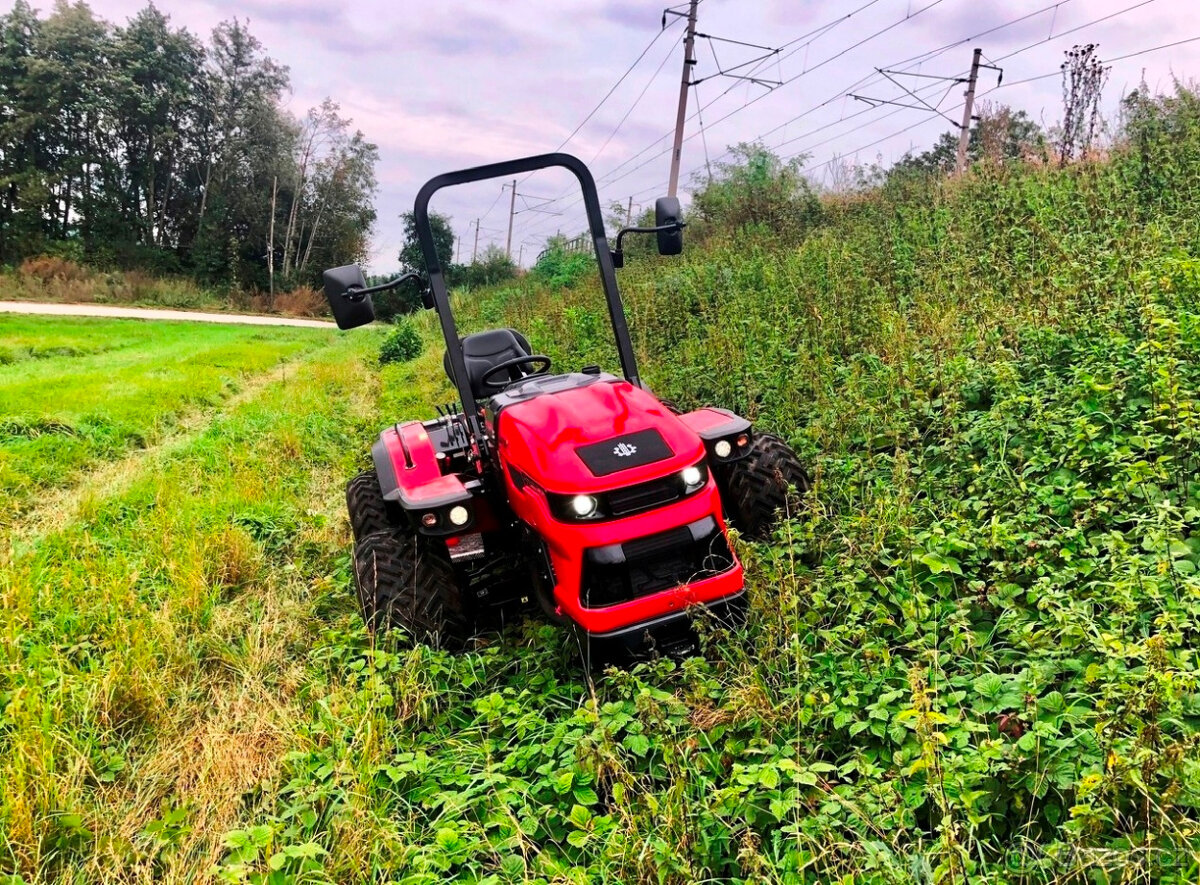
661	584
670	635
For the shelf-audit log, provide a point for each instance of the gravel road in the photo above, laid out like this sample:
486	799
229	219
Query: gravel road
147	313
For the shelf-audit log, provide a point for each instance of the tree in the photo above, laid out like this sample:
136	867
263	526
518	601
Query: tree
243	141
1002	134
71	76
491	267
343	186
321	135
999	135
143	146
411	256
23	187
155	109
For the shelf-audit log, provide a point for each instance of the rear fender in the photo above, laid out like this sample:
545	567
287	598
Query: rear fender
715	425
410	477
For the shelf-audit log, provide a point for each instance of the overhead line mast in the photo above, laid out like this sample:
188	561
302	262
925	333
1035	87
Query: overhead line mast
685	82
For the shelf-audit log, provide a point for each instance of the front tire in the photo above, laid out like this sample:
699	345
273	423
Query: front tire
365	504
756	486
402	581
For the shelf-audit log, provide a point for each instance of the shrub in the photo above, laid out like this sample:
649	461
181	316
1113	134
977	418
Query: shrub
760	193
561	268
48	268
401	345
490	268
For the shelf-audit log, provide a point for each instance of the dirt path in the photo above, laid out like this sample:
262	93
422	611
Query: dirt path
148	313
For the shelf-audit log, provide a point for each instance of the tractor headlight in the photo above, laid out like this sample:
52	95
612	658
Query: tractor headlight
729	448
630	500
448	519
578	508
584	506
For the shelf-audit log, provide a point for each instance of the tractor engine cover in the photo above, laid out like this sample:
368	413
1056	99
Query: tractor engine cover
595	438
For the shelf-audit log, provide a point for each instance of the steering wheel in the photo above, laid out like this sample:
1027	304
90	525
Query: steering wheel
541	362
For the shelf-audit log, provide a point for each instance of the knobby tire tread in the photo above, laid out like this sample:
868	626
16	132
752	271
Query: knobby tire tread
758	485
404	581
364	501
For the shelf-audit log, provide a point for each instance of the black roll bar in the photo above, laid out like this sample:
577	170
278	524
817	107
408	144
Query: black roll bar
437	281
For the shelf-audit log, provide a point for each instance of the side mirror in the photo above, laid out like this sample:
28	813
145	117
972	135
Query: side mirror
667	212
350	310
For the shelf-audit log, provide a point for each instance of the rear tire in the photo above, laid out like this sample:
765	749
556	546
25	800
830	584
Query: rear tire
756	486
403	581
368	510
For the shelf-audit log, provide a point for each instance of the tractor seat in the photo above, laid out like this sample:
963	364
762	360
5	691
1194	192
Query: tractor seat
483	350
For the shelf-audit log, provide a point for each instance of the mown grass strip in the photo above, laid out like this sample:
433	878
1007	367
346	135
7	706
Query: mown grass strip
98	389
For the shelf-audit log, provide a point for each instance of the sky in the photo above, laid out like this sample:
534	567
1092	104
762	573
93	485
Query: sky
440	86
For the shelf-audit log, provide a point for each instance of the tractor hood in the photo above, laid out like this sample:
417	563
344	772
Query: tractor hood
597	436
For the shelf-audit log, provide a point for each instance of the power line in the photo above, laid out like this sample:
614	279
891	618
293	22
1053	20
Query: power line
1057	72
608	178
819	32
912	61
815	67
1059	36
916	61
611	90
929	55
703	139
941	50
494	202
811	36
636	102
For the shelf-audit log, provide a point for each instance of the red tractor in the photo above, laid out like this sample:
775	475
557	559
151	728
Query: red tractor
577	491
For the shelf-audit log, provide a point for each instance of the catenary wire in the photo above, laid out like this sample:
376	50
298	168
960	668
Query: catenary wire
629	70
608	180
927	56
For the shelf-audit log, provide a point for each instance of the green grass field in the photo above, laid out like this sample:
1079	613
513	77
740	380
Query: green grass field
77	392
188	694
153	645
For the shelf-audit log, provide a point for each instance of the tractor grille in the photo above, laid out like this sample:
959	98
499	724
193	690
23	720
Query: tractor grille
644	496
654	563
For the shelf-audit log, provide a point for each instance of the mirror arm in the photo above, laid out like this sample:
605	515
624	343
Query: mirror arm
618	255
356	294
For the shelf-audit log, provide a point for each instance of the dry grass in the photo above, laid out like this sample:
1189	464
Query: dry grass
49	278
303	301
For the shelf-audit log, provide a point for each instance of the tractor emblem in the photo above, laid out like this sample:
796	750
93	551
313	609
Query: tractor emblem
624	450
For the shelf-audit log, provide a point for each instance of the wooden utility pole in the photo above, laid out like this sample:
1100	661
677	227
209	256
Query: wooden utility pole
964	132
629	213
512	210
685	83
475	248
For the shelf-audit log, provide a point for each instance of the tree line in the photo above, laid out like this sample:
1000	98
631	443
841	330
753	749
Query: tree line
142	146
